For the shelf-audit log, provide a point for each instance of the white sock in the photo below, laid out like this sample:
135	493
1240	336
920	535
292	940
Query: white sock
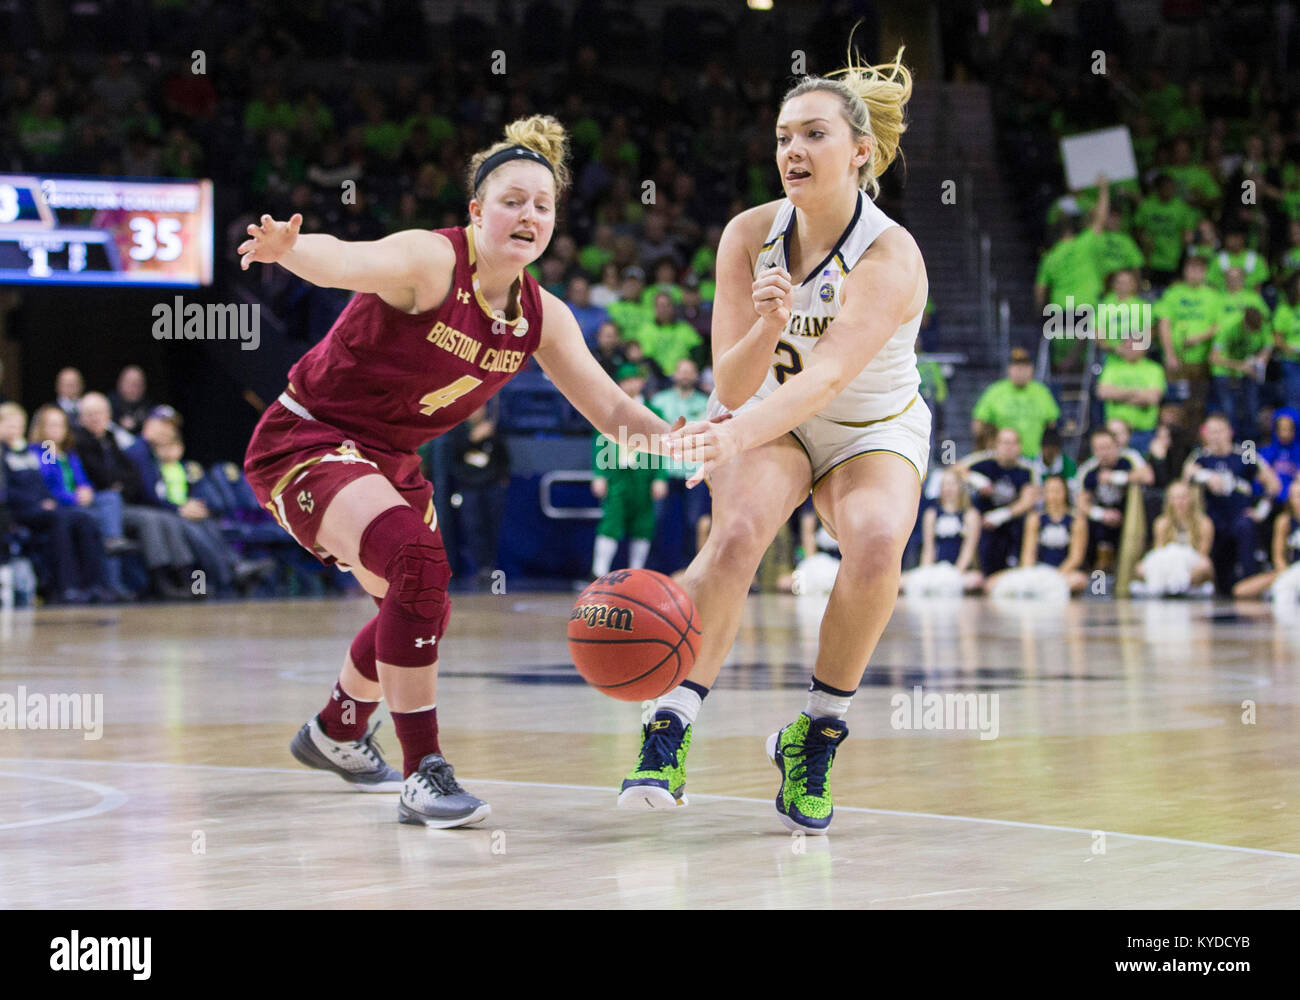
637	551
606	548
682	702
822	704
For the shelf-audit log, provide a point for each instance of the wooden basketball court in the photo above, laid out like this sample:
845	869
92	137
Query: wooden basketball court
1126	770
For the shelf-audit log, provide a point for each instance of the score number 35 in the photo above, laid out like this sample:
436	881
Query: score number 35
155	241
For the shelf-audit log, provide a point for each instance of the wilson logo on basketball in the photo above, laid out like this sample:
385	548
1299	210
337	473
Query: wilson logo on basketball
604	616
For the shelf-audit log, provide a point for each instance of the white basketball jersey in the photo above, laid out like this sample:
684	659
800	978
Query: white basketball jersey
887	385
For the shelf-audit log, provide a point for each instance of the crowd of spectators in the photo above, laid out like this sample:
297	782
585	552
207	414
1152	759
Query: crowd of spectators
1184	280
93	481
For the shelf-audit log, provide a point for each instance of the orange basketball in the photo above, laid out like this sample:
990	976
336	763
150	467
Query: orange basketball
633	634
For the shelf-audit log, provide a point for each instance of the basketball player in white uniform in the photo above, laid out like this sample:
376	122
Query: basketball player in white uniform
819	300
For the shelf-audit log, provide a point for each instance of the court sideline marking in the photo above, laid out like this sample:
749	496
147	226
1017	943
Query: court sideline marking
600	788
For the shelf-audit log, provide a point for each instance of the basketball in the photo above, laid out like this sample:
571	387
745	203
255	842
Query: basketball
633	634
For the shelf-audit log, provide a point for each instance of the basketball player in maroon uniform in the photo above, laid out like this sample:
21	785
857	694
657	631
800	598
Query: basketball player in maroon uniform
442	320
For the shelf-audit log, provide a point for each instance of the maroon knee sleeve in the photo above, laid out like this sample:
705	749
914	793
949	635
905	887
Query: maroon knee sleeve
363	651
401	548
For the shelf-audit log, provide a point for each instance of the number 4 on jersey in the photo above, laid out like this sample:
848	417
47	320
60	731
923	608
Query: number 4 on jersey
448	394
793	368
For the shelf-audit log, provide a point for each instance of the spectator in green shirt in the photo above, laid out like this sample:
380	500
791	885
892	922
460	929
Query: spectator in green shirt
1237	362
1192	182
665	338
627	483
1132	385
1118	250
1164	223
1123	314
1286	339
683	399
1235	299
41	132
1067	286
1288	265
1016	401
629	312
1187	314
599	252
1254	267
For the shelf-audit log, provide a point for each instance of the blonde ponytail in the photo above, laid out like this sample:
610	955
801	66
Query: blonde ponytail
540	133
872	100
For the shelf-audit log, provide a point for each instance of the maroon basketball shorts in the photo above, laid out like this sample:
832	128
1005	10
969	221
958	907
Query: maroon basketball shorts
296	464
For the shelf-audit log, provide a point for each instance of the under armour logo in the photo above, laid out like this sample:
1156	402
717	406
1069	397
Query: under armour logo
306	502
521	327
462	296
420	643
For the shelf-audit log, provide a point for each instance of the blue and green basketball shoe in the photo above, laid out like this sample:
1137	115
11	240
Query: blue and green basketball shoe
803	752
659	779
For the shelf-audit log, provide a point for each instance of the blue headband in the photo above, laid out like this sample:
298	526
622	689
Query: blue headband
505	156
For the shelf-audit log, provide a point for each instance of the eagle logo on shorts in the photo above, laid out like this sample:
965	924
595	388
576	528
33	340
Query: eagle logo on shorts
306	502
826	292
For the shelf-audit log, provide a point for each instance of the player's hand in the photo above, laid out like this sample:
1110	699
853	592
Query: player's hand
774	296
708	443
599	487
270	241
1112	518
658	489
85	496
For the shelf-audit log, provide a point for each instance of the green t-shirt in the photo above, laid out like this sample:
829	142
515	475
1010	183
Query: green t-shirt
593	259
1286	321
175	481
41	135
1233	340
1253	265
1194	183
703	261
670	405
1165	222
384	138
1140	374
259	115
648	296
1028	411
1189	310
1116	252
1160	104
1233	306
625	469
1070	270
439	127
1127	320
630	316
667	343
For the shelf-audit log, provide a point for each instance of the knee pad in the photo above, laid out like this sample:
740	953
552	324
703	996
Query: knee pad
401	548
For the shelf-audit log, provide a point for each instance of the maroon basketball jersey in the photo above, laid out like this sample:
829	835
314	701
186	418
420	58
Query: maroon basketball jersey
397	380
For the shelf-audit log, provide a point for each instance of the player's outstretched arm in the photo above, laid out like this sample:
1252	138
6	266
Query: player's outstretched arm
405	268
886	288
564	356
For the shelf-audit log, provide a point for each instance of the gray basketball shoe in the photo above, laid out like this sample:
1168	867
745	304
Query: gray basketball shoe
432	797
357	762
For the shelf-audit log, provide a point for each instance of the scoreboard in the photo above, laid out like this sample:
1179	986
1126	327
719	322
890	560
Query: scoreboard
105	231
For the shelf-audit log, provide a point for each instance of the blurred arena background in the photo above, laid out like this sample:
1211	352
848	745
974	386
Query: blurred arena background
360	115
